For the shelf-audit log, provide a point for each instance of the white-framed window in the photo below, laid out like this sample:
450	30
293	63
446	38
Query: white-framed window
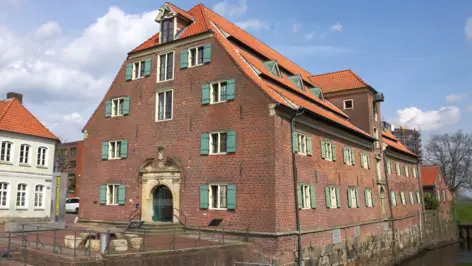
402	197
349	156
348	104
114	149
376	112
164	105
218	92
407	171
218	142
352	197
112	194
42	151
302	144
25	154
218	197
328	150
5	154
138	69
39	196
418	197
195	56
166	66
393	198
167	30
21	199
369	197
4	194
438	195
117	105
376	136
412	199
389	167
399	169
444	195
365	160
415	171
306	197
378	167
331	194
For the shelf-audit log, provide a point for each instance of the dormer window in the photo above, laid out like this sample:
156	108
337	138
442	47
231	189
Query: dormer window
167	30
272	67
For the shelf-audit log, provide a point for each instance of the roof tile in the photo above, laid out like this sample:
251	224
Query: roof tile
429	174
338	81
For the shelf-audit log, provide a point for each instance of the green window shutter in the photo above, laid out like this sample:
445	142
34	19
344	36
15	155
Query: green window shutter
338	198
231	141
122	195
126	103
295	142
103	194
366	192
204	144
206	94
107	108
230	89
105	150
349	203
313	197
323	149
206	53
362	159
353	161
147	67
368	161
345	155
327	197
231	194
357	198
124	149
308	146
129	71
184	59
333	147
204	198
299	196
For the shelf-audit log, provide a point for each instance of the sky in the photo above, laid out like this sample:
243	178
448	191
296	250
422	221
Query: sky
63	55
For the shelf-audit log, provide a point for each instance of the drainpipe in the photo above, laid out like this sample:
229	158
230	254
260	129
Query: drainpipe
388	194
298	112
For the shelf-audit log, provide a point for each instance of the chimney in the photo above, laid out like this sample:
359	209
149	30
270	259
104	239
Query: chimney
15	95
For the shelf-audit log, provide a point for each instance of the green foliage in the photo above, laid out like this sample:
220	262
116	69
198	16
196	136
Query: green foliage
464	212
430	202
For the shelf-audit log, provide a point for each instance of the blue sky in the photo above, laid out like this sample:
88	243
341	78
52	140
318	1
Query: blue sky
63	55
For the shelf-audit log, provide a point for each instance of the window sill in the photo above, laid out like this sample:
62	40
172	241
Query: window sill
189	66
112	204
218	102
164	120
166	80
113	116
4	208
7	163
217	209
218	153
24	165
112	159
39	209
138	78
21	209
41	167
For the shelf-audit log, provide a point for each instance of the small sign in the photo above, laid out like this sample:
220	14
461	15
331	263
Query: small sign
58	195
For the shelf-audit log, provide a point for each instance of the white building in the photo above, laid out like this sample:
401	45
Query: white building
26	163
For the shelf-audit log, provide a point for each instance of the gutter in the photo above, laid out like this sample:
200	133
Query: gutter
298	112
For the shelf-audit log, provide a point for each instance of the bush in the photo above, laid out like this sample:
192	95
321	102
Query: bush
430	202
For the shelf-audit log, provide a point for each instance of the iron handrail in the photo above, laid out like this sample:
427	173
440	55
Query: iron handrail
178	218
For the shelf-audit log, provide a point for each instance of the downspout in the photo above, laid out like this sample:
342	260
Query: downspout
298	112
388	194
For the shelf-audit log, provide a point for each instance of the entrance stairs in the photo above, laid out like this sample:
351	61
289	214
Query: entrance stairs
156	229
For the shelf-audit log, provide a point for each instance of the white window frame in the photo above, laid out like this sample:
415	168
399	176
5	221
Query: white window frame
117	154
329	151
165	100
407	171
210	136
25	149
393	196
438	194
370	197
418	197
219	92
4	190
333	197
42	158
412	199
302	143
398	168
111	198
402	198
353	193
350	155
23	195
218	203
8	155
389	167
118	102
39	196
444	195
196	55
306	196
352	104
167	66
376	112
376	136
378	167
365	160
140	65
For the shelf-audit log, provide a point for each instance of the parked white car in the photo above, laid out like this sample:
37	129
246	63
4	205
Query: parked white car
72	205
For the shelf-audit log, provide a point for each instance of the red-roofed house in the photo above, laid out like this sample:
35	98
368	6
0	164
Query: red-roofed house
434	183
26	162
203	121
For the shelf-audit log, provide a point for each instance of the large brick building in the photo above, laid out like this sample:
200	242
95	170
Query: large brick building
204	121
68	159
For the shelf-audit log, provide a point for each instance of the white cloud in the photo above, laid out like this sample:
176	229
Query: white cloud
296	26
337	27
413	117
48	30
455	97
227	9
468	29
75	117
253	24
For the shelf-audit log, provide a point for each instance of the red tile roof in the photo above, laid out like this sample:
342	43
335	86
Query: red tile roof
180	11
338	81
394	143
429	174
14	117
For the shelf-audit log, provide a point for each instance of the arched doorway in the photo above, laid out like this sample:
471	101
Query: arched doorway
162	204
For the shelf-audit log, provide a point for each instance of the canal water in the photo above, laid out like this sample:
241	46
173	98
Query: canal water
451	255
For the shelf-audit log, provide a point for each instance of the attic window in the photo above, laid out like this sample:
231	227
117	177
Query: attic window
348	104
272	67
167	30
297	81
316	92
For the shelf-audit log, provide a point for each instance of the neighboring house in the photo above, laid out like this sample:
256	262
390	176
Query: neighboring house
198	124
434	183
26	162
68	160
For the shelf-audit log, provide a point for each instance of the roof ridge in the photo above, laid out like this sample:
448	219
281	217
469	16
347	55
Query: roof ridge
203	10
333	72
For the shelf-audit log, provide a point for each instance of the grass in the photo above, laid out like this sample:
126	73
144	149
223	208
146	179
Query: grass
465	264
464	212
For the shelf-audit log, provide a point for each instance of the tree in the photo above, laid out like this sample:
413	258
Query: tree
453	153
